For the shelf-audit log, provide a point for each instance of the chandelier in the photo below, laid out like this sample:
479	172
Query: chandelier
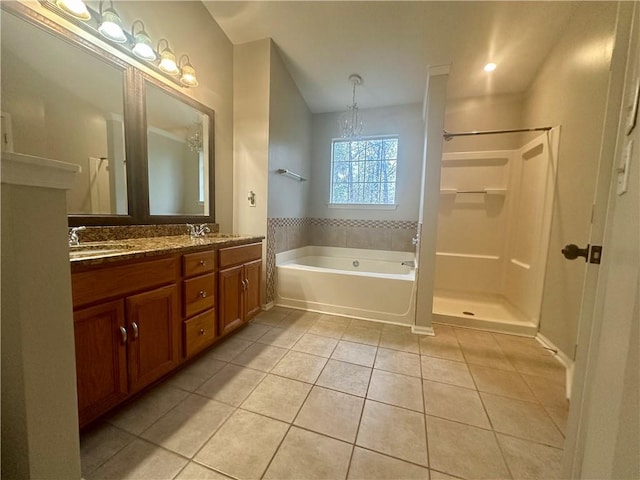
350	122
194	140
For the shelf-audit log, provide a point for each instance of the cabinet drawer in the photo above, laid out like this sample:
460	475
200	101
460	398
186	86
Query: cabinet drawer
199	294
241	254
199	332
118	280
198	263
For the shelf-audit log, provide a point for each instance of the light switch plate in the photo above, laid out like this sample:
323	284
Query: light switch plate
623	169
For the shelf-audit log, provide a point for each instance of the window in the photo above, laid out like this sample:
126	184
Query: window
364	171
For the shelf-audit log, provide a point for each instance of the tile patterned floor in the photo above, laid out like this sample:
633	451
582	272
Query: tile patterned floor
299	395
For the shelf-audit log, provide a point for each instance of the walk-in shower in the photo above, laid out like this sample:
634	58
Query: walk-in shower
493	234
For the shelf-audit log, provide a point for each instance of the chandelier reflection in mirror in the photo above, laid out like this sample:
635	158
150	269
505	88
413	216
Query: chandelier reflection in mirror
106	23
350	122
194	140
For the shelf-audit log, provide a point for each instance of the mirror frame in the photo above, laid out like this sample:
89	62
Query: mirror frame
135	129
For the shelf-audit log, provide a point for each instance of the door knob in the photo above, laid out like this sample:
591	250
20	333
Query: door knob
572	251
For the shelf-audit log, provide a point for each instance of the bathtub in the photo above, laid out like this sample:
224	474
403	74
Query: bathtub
366	284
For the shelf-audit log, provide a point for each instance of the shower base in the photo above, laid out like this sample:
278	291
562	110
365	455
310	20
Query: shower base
486	312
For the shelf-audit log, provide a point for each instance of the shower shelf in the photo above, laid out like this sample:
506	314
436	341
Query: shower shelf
484	191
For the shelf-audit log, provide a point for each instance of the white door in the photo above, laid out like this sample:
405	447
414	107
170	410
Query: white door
604	424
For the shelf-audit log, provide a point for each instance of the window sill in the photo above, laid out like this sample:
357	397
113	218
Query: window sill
363	206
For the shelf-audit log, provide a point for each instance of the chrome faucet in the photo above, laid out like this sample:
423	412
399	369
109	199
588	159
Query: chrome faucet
196	231
74	241
415	240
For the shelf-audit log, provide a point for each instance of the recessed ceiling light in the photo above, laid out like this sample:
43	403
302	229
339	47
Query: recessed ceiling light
490	67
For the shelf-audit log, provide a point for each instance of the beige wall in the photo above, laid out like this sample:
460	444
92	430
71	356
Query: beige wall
493	112
570	90
289	143
406	122
251	141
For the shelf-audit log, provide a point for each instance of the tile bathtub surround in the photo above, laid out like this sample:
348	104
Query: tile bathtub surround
290	233
289	396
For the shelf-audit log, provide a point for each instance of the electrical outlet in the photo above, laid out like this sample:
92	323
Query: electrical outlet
623	169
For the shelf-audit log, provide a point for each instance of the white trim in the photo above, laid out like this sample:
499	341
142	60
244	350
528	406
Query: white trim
439	70
364	206
467	255
268	306
422	330
20	169
562	358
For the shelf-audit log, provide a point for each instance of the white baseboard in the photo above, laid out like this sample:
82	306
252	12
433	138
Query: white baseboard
268	306
562	358
420	330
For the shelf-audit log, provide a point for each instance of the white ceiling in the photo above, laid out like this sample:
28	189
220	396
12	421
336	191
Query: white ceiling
390	44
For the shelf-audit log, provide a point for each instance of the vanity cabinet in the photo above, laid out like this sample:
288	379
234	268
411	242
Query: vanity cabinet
239	285
127	331
137	320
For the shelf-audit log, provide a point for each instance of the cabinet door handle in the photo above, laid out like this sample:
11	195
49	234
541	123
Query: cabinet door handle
123	332
202	294
244	285
134	326
247	284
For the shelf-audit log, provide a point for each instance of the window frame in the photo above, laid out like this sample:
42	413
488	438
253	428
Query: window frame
363	206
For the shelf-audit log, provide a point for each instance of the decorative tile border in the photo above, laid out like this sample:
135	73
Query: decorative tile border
271	260
340	222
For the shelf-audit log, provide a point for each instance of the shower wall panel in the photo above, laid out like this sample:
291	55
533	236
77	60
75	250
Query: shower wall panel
472	222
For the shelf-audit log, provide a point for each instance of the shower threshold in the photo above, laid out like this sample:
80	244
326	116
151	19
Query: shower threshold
485	312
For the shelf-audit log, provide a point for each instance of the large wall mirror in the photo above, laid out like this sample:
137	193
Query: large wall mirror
144	148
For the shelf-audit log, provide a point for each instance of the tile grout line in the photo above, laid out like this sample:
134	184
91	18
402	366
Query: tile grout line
424	407
364	404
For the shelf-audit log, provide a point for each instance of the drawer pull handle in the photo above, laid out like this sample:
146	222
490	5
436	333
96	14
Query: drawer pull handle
202	294
202	331
123	332
202	263
134	326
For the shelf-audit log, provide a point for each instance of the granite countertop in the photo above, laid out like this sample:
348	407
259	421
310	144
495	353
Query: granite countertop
109	251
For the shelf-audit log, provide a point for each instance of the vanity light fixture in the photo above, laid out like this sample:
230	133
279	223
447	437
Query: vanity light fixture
167	58
142	47
188	77
490	67
75	8
111	25
105	22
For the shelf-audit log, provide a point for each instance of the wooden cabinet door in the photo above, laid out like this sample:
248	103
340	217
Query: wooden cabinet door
230	299
101	358
154	325
252	275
